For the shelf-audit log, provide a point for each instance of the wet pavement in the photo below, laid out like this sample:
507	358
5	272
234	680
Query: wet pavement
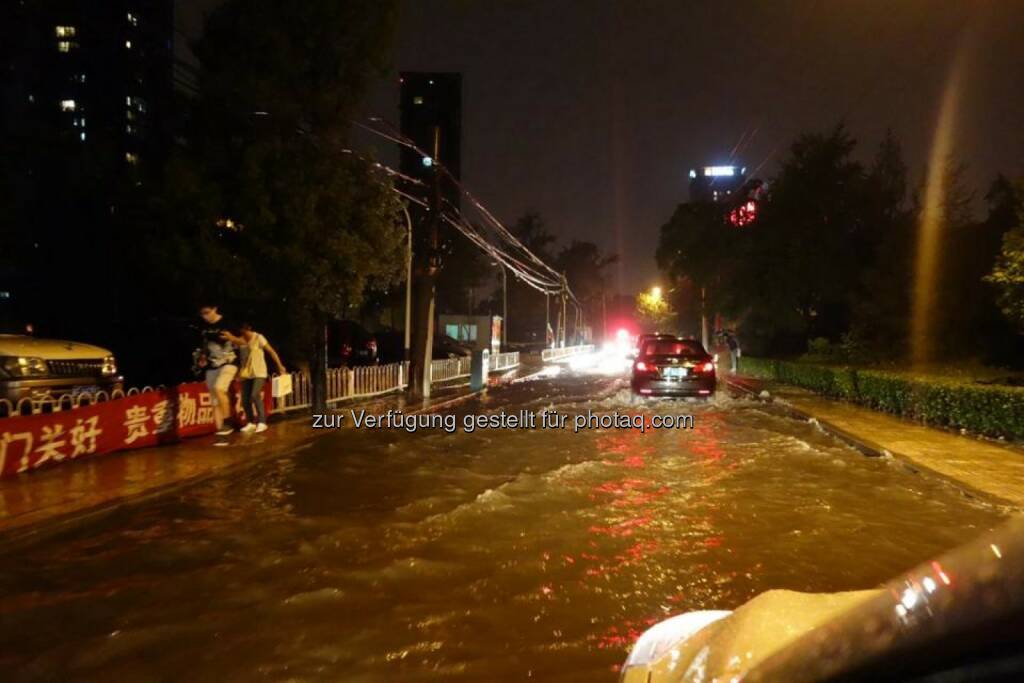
491	556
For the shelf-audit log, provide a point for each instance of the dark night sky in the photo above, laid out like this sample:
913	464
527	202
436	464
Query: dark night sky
592	111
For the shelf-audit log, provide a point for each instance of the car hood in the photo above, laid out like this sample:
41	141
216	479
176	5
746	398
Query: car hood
730	647
49	349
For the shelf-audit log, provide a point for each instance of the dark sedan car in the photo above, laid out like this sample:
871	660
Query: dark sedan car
669	366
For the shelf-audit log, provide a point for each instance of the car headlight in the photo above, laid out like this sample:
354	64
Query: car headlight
109	366
663	636
23	366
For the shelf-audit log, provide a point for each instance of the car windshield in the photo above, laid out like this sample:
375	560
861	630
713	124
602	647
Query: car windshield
672	347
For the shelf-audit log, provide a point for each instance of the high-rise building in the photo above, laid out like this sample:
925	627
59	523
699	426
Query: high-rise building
430	100
96	73
716	183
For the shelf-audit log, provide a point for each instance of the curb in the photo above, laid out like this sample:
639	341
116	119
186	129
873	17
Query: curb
872	449
30	533
47	528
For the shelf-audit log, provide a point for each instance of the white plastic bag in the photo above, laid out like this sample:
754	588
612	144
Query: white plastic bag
281	386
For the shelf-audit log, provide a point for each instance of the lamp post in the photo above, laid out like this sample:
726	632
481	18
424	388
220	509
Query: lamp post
408	284
504	307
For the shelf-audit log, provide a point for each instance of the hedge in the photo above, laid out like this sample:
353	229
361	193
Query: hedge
991	410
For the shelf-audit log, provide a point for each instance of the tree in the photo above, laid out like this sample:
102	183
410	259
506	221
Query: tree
881	315
1007	274
527	314
585	269
281	220
465	272
653	310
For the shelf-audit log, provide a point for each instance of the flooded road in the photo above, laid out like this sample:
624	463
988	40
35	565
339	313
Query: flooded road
492	556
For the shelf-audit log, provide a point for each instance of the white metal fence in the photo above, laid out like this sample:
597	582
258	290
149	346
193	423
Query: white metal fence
504	361
450	368
342	384
565	352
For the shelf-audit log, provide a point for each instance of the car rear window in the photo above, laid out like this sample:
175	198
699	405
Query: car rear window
672	347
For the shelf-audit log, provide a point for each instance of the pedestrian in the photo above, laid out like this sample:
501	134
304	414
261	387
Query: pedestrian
734	350
254	375
218	358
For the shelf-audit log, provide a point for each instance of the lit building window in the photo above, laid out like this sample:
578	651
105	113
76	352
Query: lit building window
130	129
65	31
67	105
131	157
78	78
81	136
132	19
130	115
417	100
63	46
128	44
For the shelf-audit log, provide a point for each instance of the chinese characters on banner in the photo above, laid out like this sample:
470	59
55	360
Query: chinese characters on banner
145	419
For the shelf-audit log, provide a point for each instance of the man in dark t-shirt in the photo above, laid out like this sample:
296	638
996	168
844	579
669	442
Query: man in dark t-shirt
220	361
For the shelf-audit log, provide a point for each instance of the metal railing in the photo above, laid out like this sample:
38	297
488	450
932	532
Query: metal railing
565	352
450	368
504	361
36	405
344	384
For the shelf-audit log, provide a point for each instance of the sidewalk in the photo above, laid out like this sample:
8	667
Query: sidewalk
38	504
987	467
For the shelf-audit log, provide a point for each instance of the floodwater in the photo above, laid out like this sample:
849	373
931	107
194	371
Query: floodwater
492	556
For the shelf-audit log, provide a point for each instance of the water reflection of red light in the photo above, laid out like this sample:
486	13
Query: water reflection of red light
713	541
625	528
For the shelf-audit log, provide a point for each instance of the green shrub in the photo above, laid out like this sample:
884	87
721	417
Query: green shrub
885	391
989	410
759	367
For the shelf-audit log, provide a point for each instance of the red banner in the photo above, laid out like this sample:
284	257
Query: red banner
144	419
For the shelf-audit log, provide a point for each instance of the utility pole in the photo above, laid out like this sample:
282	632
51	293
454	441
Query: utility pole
703	319
408	285
604	317
547	321
427	259
564	321
504	307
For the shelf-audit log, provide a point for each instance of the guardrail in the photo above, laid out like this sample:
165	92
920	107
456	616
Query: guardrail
504	361
565	352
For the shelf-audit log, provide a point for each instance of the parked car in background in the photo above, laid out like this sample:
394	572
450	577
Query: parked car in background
349	344
390	345
449	347
43	369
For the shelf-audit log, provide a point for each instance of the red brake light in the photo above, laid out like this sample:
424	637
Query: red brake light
640	366
707	367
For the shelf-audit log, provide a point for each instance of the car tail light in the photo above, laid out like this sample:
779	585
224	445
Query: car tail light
708	367
640	366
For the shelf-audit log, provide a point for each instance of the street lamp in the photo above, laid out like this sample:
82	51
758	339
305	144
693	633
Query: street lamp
408	285
656	293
